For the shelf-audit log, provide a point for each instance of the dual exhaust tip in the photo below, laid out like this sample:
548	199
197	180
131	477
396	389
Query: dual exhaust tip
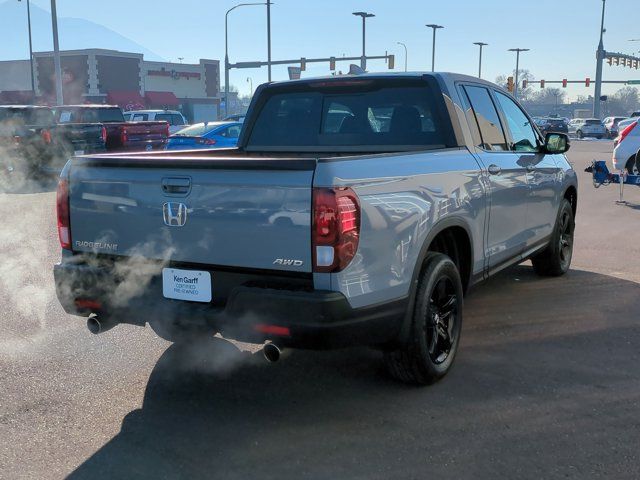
97	325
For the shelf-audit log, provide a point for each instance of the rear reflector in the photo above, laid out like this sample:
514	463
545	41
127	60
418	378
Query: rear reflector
62	210
88	304
273	330
336	228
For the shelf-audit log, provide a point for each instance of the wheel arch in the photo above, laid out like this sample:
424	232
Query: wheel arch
571	194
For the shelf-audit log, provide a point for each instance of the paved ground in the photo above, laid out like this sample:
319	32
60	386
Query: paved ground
546	384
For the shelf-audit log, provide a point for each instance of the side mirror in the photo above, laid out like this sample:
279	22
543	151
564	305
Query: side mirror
556	143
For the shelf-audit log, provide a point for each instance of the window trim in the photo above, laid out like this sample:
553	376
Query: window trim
500	118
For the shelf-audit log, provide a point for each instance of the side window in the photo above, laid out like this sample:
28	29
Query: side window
127	117
65	117
177	119
487	117
471	119
523	135
140	117
233	132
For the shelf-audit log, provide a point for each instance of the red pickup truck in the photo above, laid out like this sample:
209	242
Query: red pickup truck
121	135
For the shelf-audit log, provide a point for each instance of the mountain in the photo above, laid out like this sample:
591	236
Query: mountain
74	33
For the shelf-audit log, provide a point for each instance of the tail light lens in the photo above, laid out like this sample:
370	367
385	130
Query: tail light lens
205	141
626	131
124	136
166	130
336	228
103	134
46	136
62	208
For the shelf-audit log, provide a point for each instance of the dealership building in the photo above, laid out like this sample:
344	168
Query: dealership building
116	78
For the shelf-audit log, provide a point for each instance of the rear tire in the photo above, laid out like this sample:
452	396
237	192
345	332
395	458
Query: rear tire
579	134
435	328
633	165
555	260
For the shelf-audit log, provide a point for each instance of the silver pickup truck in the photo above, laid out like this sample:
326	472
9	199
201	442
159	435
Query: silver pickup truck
355	210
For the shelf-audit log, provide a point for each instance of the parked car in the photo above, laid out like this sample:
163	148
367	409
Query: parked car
174	118
120	134
401	217
635	114
626	146
34	143
206	135
611	125
235	118
552	124
587	127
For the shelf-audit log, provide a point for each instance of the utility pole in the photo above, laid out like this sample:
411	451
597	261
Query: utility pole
56	54
517	50
405	55
433	50
480	44
269	38
364	15
600	54
33	81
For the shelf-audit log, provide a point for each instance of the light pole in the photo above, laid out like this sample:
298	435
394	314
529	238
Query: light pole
517	50
433	50
364	15
226	51
405	55
56	53
33	81
480	44
600	54
250	80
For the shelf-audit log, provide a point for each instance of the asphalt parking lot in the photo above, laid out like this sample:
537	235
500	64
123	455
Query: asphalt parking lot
546	383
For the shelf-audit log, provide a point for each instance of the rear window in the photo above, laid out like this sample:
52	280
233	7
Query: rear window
90	115
593	122
27	116
171	118
348	116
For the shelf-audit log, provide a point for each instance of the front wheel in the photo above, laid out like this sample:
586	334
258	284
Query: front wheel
579	134
436	325
633	165
555	260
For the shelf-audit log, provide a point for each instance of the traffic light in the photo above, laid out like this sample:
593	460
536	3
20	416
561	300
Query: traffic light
392	62
524	84
616	61
541	83
610	61
510	84
587	82
303	64
564	83
332	63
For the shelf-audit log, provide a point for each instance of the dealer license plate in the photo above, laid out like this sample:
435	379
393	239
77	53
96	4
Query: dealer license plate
191	285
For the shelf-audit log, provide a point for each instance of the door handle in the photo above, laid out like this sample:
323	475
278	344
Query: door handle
176	186
494	169
530	168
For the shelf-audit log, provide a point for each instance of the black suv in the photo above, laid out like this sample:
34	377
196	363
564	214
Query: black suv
552	124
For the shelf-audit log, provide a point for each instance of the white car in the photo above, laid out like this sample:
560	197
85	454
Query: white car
587	127
176	119
627	146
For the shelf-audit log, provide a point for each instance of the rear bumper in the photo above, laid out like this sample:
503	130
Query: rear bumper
293	318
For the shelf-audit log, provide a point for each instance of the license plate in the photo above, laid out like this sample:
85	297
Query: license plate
78	152
191	285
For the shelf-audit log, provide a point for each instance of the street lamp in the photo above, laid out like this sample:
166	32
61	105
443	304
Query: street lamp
600	54
364	15
226	52
517	50
433	51
56	53
480	44
33	82
405	55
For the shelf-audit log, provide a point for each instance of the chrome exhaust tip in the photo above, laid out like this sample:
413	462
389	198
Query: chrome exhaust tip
271	352
96	326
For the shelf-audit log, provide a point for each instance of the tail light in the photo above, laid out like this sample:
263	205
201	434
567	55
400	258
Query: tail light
166	130
62	208
17	139
626	131
336	228
103	134
124	136
46	136
205	141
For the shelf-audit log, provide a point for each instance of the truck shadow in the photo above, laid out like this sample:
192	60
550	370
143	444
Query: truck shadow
546	365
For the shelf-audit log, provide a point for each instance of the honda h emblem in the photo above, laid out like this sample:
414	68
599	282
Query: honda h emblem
174	214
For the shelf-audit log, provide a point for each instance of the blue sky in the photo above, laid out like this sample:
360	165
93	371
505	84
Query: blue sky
562	34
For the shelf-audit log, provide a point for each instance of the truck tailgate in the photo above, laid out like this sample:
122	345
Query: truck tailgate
235	212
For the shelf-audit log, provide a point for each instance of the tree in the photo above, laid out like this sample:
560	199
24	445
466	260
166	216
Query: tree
624	101
548	96
523	93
